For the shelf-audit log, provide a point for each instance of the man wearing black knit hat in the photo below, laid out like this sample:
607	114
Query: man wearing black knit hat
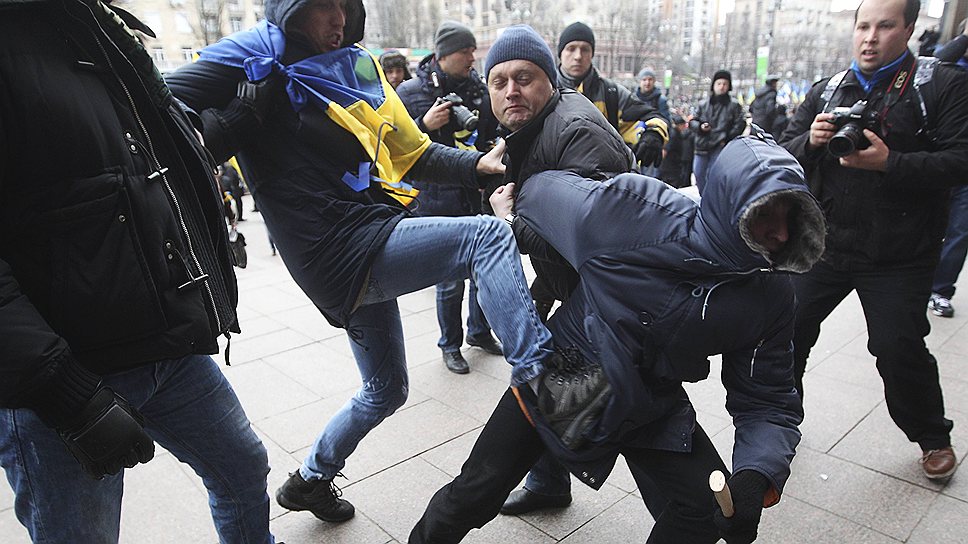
576	48
717	121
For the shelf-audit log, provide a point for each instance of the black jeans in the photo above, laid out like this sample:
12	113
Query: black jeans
509	445
894	301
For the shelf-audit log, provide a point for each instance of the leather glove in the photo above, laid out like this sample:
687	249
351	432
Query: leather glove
263	97
649	149
107	435
747	488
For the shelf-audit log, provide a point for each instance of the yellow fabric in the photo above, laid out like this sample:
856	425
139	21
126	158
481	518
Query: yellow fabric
388	134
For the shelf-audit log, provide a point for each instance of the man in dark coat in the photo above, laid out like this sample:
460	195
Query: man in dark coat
115	283
654	302
886	204
325	162
547	129
763	109
676	164
717	121
450	70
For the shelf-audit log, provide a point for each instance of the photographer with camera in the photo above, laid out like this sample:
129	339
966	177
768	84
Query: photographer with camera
449	101
886	204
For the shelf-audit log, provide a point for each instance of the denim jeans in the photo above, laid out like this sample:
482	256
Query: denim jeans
189	409
420	252
955	247
450	297
701	164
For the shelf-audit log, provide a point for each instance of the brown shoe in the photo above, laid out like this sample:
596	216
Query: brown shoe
939	464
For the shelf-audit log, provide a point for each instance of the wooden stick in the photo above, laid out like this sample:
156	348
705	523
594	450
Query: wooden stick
717	482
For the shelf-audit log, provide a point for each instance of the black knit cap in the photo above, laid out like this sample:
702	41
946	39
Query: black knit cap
521	42
722	74
452	37
576	32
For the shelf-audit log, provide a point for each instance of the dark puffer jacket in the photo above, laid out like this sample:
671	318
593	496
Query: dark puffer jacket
724	115
98	245
655	301
896	216
327	234
568	134
419	95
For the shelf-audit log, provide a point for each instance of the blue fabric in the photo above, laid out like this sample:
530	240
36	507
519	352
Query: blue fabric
880	75
345	76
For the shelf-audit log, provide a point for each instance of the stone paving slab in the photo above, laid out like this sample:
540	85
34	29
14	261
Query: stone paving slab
855	478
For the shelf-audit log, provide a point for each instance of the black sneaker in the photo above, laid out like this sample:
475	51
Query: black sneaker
571	396
321	497
487	343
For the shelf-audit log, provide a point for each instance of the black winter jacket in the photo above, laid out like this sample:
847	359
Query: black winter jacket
568	134
725	116
896	216
328	235
98	245
419	95
763	109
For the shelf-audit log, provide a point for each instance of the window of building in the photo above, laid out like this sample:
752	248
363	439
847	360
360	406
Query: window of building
188	54
236	24
158	54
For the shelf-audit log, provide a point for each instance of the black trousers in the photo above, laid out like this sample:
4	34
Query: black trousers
509	445
894	300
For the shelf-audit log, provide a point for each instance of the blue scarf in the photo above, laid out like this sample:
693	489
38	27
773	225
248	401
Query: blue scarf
348	85
324	78
880	75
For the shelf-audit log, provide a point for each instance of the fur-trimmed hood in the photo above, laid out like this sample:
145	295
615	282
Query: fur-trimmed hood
751	172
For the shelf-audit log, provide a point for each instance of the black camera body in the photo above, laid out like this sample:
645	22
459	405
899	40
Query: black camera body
465	118
850	123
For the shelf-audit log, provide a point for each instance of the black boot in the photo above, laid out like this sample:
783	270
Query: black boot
572	395
455	362
486	342
524	501
321	497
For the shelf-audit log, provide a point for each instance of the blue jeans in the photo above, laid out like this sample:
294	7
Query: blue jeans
955	247
450	296
420	252
189	409
701	164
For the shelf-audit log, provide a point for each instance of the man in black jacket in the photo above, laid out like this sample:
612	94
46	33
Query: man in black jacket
763	109
449	71
718	121
886	208
115	283
325	168
546	130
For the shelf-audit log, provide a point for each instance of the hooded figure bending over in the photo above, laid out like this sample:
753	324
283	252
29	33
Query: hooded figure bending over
665	283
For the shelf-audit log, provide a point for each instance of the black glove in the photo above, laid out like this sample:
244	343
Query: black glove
747	488
107	435
649	149
263	96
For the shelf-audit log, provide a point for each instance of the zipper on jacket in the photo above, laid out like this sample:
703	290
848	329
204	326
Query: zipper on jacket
160	171
753	360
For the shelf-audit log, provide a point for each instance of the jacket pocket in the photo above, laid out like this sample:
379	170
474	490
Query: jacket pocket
102	291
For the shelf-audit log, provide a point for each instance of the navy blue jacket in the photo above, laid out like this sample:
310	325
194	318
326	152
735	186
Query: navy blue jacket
666	283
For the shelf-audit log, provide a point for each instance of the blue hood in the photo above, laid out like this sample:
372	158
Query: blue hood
749	173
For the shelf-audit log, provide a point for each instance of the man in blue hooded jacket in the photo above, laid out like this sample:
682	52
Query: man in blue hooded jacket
654	302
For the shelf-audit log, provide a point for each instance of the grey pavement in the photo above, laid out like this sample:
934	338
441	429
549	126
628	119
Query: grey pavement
855	477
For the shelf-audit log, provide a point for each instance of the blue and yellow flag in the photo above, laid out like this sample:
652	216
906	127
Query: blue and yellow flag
347	84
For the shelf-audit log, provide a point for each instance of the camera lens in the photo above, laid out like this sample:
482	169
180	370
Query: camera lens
845	141
465	117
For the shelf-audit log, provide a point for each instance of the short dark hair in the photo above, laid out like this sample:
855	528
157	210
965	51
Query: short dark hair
911	9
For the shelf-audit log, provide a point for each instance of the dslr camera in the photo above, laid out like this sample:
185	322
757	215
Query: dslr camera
851	123
465	118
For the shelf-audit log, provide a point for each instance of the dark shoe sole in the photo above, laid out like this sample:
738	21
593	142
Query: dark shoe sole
572	437
288	505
